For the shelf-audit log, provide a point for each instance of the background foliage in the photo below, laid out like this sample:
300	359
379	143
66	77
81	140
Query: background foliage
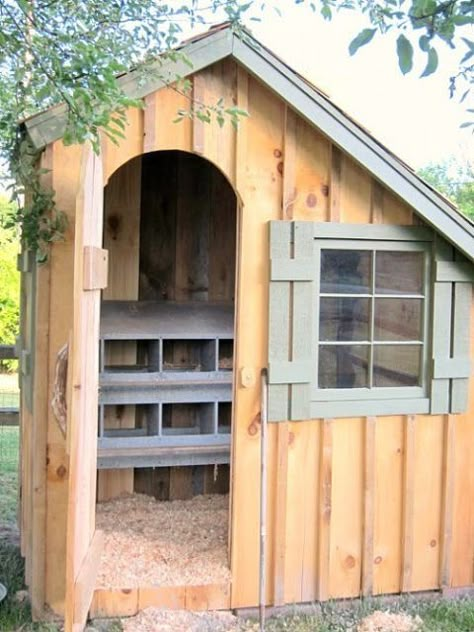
455	179
10	282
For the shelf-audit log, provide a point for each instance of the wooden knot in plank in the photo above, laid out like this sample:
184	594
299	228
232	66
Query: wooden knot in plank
253	426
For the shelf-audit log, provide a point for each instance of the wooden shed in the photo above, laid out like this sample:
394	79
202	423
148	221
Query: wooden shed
297	243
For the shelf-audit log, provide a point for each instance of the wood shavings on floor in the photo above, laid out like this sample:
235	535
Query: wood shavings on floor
163	543
153	619
387	622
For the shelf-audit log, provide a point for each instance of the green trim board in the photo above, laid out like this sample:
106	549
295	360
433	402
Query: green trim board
356	408
290	361
307	101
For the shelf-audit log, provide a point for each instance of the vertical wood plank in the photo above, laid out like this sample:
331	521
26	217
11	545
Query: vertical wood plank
449	460
347	507
312	174
280	319
335	185
369	509
114	156
289	164
408	502
389	454
82	414
39	429
122	240
198	126
309	576
162	133
215	143
377	203
325	509
428	494
149	123
281	513
261	193
66	161
355	193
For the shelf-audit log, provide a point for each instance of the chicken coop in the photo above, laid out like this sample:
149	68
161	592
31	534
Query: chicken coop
196	256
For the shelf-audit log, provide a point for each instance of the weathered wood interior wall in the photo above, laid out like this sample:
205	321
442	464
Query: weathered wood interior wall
355	506
170	225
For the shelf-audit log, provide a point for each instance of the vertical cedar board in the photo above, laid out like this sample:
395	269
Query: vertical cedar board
462	567
216	143
65	175
83	390
260	187
428	493
388	504
116	155
122	240
312	168
347	508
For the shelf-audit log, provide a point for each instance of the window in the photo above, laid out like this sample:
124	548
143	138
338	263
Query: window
371	314
366	320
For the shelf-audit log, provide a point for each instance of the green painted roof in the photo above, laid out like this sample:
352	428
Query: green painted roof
309	102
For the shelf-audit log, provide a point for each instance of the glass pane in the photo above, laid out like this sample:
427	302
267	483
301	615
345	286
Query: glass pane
346	271
344	318
399	273
343	366
397	365
398	318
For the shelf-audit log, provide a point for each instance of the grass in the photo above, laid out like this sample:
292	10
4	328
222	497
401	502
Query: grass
15	615
436	615
9	393
8	473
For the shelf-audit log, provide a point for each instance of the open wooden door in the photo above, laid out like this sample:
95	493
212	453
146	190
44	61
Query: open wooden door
90	274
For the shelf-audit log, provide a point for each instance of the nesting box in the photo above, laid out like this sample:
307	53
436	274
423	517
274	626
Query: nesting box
197	255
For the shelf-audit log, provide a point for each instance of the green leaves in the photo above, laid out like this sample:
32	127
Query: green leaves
432	64
405	54
362	39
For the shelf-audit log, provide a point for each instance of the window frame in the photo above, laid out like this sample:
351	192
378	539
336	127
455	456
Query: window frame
346	402
371	245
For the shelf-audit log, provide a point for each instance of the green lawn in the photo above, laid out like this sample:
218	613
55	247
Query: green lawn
8	473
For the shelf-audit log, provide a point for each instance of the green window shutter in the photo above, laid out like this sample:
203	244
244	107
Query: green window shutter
452	297
290	352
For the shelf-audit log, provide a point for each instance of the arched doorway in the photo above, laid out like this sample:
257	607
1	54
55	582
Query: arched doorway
167	327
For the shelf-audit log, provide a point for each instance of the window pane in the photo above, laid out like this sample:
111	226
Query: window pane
398	319
344	318
343	366
346	271
399	273
397	365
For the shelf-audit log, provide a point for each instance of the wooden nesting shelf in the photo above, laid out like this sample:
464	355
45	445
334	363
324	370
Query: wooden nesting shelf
184	363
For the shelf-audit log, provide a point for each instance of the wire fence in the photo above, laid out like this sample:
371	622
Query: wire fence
9	440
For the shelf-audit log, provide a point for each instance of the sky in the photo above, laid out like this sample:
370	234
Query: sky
413	117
